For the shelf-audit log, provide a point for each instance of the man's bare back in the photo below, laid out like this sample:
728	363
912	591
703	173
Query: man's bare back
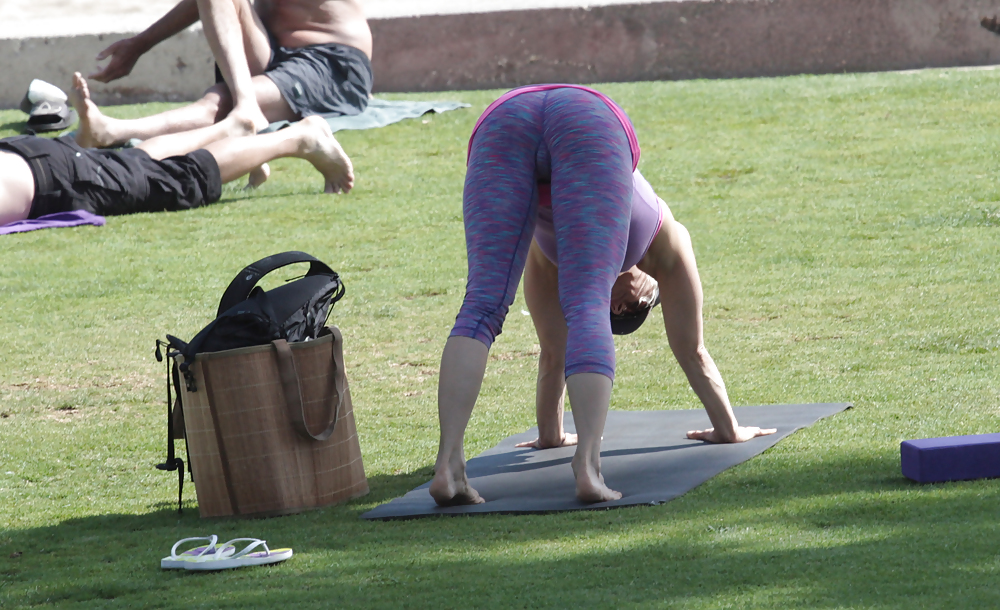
299	23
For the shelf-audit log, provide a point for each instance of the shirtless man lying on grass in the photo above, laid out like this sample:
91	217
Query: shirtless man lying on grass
39	176
276	60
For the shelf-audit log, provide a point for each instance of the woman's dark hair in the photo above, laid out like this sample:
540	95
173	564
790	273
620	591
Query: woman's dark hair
626	323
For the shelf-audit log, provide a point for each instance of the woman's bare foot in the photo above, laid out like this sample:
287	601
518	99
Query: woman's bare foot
258	176
94	128
320	148
450	486
590	487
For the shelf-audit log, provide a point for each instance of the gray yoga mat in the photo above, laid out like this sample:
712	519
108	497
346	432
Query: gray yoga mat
380	113
645	455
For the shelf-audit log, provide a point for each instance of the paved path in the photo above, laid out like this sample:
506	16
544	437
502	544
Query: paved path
436	45
50	18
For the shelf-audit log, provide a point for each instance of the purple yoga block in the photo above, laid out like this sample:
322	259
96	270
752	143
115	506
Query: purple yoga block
951	458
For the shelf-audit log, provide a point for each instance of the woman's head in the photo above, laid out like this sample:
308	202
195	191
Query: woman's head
633	294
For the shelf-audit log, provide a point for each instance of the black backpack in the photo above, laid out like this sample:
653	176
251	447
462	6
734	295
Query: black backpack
249	316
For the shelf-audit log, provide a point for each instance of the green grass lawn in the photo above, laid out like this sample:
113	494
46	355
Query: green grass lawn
847	232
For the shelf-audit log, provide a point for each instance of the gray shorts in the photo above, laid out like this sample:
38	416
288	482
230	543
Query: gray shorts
325	79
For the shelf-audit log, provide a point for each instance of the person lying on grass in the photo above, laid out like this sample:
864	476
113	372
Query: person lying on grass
552	184
39	176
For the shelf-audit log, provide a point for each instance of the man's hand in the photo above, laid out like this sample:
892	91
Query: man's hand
568	440
123	54
743	434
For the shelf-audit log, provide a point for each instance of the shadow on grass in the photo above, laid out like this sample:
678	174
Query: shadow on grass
831	533
17	126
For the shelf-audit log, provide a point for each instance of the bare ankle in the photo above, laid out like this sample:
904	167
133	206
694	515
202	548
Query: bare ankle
243	126
306	143
590	487
250	117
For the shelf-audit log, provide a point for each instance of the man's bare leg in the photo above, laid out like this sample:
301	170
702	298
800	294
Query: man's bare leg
17	188
463	365
174	144
309	139
590	395
97	130
160	147
241	49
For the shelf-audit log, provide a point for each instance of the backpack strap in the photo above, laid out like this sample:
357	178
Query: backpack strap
173	462
239	289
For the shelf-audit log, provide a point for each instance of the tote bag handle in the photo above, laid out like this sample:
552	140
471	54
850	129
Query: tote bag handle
293	391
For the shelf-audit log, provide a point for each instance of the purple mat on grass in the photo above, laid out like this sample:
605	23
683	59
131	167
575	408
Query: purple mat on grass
53	221
951	458
645	455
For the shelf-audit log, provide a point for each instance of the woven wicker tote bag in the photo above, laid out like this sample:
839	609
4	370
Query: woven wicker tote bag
251	429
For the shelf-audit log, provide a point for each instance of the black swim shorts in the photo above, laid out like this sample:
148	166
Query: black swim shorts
114	182
327	79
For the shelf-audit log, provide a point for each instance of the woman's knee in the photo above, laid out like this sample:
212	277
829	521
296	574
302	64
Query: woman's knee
479	319
590	346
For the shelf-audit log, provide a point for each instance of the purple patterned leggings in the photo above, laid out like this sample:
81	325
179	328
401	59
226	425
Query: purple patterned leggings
572	139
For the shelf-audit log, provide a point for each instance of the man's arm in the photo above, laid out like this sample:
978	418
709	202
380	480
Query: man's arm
228	26
127	51
541	292
671	261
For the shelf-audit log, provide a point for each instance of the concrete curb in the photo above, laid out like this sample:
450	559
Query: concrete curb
625	42
680	40
179	69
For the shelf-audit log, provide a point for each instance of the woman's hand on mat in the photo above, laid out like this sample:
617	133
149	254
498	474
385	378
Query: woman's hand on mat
743	434
568	440
123	54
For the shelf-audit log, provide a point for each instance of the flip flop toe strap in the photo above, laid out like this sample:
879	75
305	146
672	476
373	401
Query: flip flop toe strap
254	543
210	548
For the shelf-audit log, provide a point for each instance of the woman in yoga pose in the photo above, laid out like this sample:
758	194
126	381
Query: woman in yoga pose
557	163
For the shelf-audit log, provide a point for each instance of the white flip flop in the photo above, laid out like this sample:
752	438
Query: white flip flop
198	553
246	557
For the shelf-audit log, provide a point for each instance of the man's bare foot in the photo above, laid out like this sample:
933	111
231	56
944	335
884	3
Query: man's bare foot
590	487
258	176
320	148
239	123
93	130
450	486
251	113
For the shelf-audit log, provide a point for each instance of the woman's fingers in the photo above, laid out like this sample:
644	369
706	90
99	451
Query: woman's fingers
701	435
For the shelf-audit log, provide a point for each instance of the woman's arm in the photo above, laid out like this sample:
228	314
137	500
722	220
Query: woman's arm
541	292
670	260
